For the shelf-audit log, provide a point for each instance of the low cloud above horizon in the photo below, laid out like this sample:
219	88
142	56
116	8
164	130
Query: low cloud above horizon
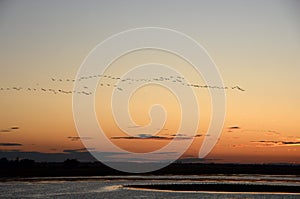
77	138
277	143
155	137
8	130
10	144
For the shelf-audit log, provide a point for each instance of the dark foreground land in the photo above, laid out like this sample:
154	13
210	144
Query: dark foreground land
29	168
220	187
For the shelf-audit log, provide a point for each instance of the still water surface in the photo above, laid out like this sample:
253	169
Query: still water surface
112	186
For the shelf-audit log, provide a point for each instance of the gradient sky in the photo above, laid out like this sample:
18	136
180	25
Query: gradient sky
255	44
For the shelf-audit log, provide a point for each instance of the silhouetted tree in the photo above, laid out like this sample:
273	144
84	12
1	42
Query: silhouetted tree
71	163
27	163
4	162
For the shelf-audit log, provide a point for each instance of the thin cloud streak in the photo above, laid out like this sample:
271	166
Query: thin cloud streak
234	127
239	129
277	143
153	137
11	129
77	138
10	144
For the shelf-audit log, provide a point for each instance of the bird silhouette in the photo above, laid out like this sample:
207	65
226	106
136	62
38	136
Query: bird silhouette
112	81
237	87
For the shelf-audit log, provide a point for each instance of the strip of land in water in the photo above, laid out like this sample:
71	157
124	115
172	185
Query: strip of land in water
219	187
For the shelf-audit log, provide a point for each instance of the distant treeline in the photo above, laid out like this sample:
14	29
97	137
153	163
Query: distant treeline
72	167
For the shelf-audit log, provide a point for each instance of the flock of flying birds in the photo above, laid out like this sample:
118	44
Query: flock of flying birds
112	83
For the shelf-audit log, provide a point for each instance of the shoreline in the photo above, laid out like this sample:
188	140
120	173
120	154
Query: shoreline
193	178
31	169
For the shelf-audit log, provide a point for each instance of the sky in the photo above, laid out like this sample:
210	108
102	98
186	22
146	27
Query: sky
254	44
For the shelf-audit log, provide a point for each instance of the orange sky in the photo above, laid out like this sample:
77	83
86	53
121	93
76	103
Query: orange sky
254	46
